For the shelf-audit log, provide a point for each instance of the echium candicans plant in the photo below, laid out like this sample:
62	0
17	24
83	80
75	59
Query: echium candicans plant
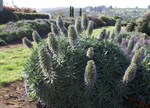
89	28
54	29
118	27
84	21
53	44
27	43
72	35
36	37
78	25
90	73
90	52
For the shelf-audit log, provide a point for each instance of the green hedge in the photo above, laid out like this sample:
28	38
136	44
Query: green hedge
31	16
7	16
20	29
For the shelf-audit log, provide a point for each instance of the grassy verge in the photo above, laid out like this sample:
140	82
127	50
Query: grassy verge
11	64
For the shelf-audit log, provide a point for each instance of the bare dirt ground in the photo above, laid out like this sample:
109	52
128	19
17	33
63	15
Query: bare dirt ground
14	96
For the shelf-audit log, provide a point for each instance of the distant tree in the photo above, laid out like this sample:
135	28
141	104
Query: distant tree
118	27
70	11
110	7
80	12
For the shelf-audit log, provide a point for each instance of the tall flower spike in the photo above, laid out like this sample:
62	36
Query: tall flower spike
136	47
130	45
138	56
54	29
52	43
130	73
112	36
60	23
64	31
118	27
90	52
36	37
72	35
45	61
78	26
85	21
27	43
102	35
90	73
89	28
108	34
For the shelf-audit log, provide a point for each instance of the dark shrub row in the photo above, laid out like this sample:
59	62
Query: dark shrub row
16	9
102	21
6	16
15	31
31	16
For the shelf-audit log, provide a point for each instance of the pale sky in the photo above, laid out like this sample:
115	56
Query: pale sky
78	3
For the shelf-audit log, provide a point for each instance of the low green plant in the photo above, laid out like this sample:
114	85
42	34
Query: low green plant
71	79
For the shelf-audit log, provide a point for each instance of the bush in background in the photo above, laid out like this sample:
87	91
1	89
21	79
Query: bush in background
20	29
130	27
144	24
6	16
31	16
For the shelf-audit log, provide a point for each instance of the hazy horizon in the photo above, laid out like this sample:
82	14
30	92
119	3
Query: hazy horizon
78	3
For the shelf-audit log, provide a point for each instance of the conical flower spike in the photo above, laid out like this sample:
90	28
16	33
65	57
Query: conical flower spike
36	37
27	43
45	61
130	73
90	52
52	43
72	35
90	73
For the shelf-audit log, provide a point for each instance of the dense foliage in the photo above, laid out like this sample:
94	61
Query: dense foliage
69	83
144	24
14	31
72	72
7	16
31	16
